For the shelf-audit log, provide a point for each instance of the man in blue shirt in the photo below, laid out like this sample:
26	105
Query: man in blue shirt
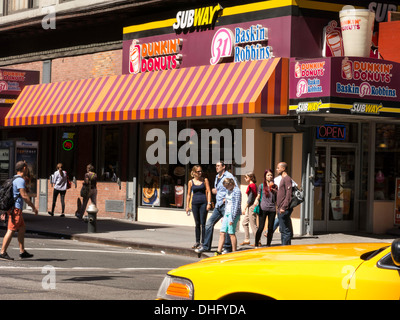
15	220
220	191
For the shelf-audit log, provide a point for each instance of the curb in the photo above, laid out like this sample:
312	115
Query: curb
138	245
119	243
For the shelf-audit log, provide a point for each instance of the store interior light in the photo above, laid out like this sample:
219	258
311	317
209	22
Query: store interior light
382	145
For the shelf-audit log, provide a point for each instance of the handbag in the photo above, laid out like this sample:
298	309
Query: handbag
297	197
69	184
257	207
85	190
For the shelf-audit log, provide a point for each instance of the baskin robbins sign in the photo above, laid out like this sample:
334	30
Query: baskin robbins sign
242	44
350	85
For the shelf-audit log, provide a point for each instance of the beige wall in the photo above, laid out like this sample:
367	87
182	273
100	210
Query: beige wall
383	216
296	160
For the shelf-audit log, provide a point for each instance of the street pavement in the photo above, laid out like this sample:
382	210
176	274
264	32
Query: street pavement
168	239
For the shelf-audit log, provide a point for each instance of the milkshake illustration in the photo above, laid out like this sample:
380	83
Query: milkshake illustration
334	41
297	70
346	69
134	57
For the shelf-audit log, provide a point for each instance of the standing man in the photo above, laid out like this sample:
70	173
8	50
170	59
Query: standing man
15	218
283	199
220	191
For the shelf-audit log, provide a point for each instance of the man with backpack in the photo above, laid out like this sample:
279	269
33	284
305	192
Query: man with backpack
15	219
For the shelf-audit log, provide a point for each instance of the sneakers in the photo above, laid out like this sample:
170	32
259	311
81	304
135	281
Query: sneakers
5	256
25	255
217	253
200	249
22	255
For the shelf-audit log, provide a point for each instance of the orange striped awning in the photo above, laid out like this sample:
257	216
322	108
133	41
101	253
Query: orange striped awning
256	87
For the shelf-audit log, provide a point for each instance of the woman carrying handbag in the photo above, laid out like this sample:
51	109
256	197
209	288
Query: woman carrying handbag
88	191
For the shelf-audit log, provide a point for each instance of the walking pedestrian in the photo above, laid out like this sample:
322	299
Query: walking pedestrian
284	197
220	191
59	181
199	190
90	182
233	201
16	221
266	198
250	217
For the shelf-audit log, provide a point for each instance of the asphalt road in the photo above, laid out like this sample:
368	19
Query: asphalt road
72	270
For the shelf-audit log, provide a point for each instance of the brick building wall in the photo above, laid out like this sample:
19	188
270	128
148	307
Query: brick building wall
105	191
93	65
87	66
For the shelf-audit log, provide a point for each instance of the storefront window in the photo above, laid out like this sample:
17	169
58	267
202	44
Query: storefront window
111	153
387	161
67	149
19	5
167	160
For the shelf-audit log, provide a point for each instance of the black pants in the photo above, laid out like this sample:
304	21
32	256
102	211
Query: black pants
200	218
55	195
261	224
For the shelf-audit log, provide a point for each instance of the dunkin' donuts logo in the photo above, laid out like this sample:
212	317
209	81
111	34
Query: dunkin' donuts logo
370	73
154	56
366	71
309	69
350	24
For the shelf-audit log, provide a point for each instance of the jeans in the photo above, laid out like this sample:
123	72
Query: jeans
285	226
217	214
200	217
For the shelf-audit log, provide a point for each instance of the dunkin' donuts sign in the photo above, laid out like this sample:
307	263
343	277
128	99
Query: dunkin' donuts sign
154	56
375	76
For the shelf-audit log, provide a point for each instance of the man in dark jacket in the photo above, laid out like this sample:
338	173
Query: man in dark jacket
283	199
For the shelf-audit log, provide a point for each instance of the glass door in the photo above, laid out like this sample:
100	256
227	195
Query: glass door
335	188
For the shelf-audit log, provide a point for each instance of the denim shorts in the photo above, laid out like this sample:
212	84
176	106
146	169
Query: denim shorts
226	227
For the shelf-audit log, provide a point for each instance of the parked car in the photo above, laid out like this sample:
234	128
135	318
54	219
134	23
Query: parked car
323	271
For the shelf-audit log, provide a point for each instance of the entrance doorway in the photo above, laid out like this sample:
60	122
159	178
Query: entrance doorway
335	187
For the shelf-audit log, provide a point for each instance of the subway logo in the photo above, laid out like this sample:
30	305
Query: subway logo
195	18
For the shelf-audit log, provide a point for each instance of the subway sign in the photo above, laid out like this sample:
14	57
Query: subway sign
331	132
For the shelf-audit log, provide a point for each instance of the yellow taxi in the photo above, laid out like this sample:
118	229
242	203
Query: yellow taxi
323	271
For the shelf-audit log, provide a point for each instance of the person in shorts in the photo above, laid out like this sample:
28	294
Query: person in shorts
15	218
233	202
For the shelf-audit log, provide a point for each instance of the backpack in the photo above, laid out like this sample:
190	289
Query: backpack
7	200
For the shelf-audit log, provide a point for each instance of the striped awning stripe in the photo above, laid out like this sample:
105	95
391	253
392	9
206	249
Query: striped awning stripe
256	87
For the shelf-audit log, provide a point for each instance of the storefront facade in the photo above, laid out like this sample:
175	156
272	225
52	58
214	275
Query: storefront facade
354	168
209	84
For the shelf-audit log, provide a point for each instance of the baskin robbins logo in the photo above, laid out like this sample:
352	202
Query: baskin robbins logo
371	73
244	44
311	70
154	56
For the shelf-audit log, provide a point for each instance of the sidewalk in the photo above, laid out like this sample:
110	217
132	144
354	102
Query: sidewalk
162	238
